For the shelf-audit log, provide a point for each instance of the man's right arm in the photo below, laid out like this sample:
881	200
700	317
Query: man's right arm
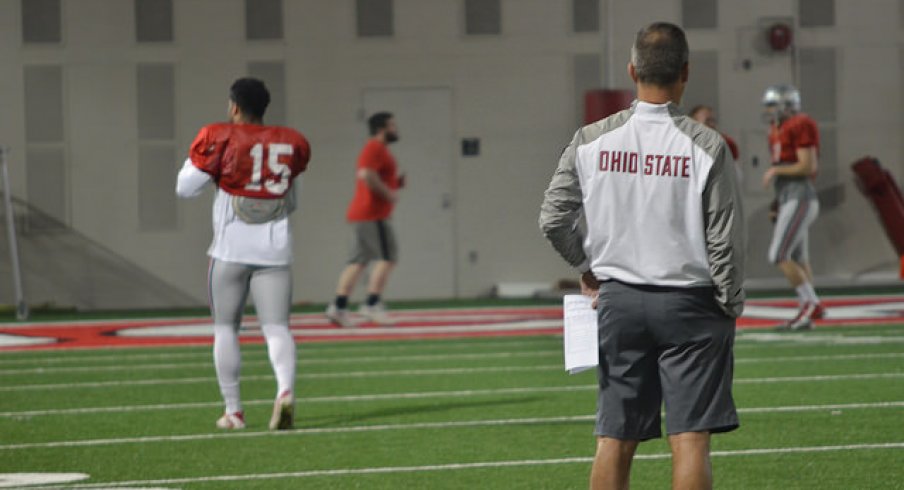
561	210
374	183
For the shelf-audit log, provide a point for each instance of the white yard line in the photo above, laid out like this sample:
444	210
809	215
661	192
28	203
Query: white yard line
410	372
471	465
783	338
412	426
307	352
250	319
810	408
323	430
303	357
838	377
535	324
302	361
69	358
823	357
415	395
259	377
303	400
119	367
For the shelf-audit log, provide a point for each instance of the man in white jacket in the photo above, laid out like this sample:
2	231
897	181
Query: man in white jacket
663	254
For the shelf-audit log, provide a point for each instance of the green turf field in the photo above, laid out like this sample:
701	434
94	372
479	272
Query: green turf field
823	409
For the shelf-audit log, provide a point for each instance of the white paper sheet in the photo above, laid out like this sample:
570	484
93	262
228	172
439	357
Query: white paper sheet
581	335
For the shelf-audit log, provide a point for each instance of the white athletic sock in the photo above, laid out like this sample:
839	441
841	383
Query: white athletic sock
806	293
228	360
281	347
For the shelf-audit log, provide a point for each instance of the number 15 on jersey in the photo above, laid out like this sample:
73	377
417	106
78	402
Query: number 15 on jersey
277	179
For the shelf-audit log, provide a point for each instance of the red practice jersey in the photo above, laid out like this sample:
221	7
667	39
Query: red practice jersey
798	131
251	160
367	205
732	146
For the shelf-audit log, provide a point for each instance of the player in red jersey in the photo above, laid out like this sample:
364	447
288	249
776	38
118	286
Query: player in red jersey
253	168
794	146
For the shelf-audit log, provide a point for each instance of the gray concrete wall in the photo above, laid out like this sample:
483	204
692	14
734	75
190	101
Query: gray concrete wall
516	91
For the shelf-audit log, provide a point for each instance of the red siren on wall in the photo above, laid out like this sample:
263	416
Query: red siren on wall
779	36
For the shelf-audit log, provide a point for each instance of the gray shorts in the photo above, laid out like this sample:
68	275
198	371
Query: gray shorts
230	282
374	240
671	345
790	239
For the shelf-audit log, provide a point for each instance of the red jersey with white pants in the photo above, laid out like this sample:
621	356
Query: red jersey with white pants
798	203
367	205
797	132
252	161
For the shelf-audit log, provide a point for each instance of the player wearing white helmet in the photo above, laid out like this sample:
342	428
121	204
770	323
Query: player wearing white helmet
794	148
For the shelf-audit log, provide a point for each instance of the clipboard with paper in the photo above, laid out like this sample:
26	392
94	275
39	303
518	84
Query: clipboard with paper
581	336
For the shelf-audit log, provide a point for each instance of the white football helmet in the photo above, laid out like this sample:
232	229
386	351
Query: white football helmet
785	97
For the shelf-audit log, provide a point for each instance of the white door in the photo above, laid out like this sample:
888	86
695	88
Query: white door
424	216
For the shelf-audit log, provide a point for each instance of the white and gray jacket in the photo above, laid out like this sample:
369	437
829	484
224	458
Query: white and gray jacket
659	198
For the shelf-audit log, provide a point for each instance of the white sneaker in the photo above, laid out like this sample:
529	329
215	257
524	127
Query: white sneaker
376	313
340	317
229	421
283	412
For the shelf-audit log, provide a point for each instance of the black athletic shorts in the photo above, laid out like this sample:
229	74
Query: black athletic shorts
658	344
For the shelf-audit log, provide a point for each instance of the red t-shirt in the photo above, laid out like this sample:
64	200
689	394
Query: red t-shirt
798	131
367	205
251	160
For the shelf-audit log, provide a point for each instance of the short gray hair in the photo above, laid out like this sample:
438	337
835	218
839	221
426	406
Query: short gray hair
659	54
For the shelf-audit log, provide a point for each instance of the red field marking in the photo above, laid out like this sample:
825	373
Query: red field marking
410	324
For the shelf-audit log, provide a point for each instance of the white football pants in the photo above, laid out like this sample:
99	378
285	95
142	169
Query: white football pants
271	289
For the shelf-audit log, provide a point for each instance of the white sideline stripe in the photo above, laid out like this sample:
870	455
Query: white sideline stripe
343	360
476	465
444	312
414	372
419	357
410	426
